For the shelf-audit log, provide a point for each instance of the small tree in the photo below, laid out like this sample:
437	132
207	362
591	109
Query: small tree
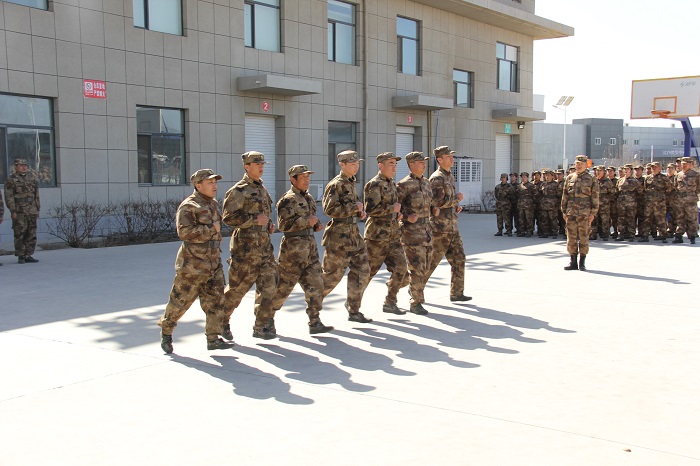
75	222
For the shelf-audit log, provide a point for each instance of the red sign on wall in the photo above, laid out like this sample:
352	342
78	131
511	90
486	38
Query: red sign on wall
410	119
265	106
94	89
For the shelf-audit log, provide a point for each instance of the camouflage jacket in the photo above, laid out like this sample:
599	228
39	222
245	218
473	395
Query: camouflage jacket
687	184
244	201
538	192
294	210
340	203
22	193
628	188
640	193
657	186
581	195
615	192
380	196
442	184
514	199
200	251
607	190
549	192
415	197
504	193
2	206
526	194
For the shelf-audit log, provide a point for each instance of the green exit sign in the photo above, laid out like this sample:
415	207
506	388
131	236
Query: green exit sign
507	128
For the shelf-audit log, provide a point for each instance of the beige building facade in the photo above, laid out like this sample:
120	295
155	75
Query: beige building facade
123	99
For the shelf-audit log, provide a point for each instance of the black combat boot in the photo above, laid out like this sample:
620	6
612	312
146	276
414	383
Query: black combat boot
692	239
166	343
643	239
582	263
227	332
500	233
573	264
679	239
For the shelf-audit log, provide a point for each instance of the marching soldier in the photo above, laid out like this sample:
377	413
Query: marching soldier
504	194
22	199
580	206
247	209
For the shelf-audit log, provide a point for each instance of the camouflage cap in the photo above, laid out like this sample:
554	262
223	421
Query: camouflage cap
442	150
504	175
648	164
513	174
20	161
599	167
560	170
298	170
203	174
581	158
415	156
536	172
671	165
253	157
384	156
348	156
612	168
548	171
524	174
683	160
638	167
655	164
627	165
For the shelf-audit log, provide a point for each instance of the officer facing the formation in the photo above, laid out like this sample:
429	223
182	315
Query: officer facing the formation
447	242
656	188
247	208
198	270
504	194
580	205
22	199
382	230
298	258
687	191
415	196
344	246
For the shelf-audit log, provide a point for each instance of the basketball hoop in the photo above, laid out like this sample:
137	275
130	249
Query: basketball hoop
661	113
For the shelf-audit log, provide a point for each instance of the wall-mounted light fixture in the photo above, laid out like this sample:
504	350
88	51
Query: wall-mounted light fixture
521	124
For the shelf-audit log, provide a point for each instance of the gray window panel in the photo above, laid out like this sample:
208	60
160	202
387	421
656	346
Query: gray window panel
267	28
511	53
140	13
168	156
340	11
161	146
165	16
43	4
143	142
345	44
409	57
406	28
25	110
500	50
248	21
331	41
159	120
462	95
36	146
341	132
460	76
269	2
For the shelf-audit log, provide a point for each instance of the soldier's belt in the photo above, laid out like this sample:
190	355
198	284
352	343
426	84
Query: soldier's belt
345	220
422	220
306	232
550	197
252	231
446	212
209	244
654	194
392	216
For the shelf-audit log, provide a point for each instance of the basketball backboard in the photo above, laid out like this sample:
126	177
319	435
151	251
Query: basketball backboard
670	97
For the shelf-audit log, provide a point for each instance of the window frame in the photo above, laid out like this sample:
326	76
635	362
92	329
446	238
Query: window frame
146	18
598	141
469	86
181	178
253	5
613	141
333	34
19	2
513	70
335	146
399	46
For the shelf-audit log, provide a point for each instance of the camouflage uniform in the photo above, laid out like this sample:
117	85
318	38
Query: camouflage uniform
298	258
639	215
383	234
344	246
627	188
252	258
549	206
613	203
672	205
526	208
601	222
537	205
415	196
688	189
656	188
198	270
560	193
580	200
22	199
514	205
504	193
447	242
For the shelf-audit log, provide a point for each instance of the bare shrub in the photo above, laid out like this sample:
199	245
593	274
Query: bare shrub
143	221
488	201
75	222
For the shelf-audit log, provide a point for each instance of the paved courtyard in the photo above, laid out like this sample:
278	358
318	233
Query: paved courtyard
543	367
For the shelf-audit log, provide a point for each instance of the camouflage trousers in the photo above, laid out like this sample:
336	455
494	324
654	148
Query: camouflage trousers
639	217
418	247
549	220
186	288
514	215
24	228
614	221
450	246
672	212
252	262
503	216
601	222
337	259
389	253
526	220
626	213
578	229
687	215
654	216
299	263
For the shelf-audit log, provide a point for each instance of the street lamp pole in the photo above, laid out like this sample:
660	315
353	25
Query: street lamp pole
564	101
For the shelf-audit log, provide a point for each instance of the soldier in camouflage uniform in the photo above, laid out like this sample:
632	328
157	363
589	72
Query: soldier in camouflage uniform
447	242
601	222
627	192
537	216
298	258
247	209
611	174
656	188
526	206
2	212
22	199
415	196
514	200
560	192
580	204
198	270
639	216
382	230
672	200
549	205
344	246
688	189
504	194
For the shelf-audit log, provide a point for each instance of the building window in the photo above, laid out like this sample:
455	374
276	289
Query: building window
341	136
161	145
159	15
262	24
675	142
624	142
636	142
507	58
464	90
408	45
341	32
26	132
598	141
43	4
613	141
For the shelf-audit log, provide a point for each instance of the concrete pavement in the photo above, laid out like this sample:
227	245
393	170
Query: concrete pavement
543	367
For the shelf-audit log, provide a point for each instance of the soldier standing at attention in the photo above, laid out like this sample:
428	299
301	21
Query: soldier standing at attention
549	205
537	183
447	242
560	193
580	205
672	200
627	189
656	188
514	200
504	194
344	246
22	199
2	211
611	175
414	196
639	217
687	189
382	230
198	270
247	208
601	222
298	258
526	206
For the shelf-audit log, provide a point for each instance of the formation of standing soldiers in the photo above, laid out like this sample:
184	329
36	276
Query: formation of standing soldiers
417	214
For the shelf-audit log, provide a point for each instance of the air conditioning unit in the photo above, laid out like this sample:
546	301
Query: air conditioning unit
316	191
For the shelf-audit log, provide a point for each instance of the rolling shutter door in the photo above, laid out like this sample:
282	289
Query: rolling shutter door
260	136
503	155
404	145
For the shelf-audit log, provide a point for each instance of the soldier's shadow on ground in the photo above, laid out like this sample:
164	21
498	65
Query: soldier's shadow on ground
672	281
246	380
